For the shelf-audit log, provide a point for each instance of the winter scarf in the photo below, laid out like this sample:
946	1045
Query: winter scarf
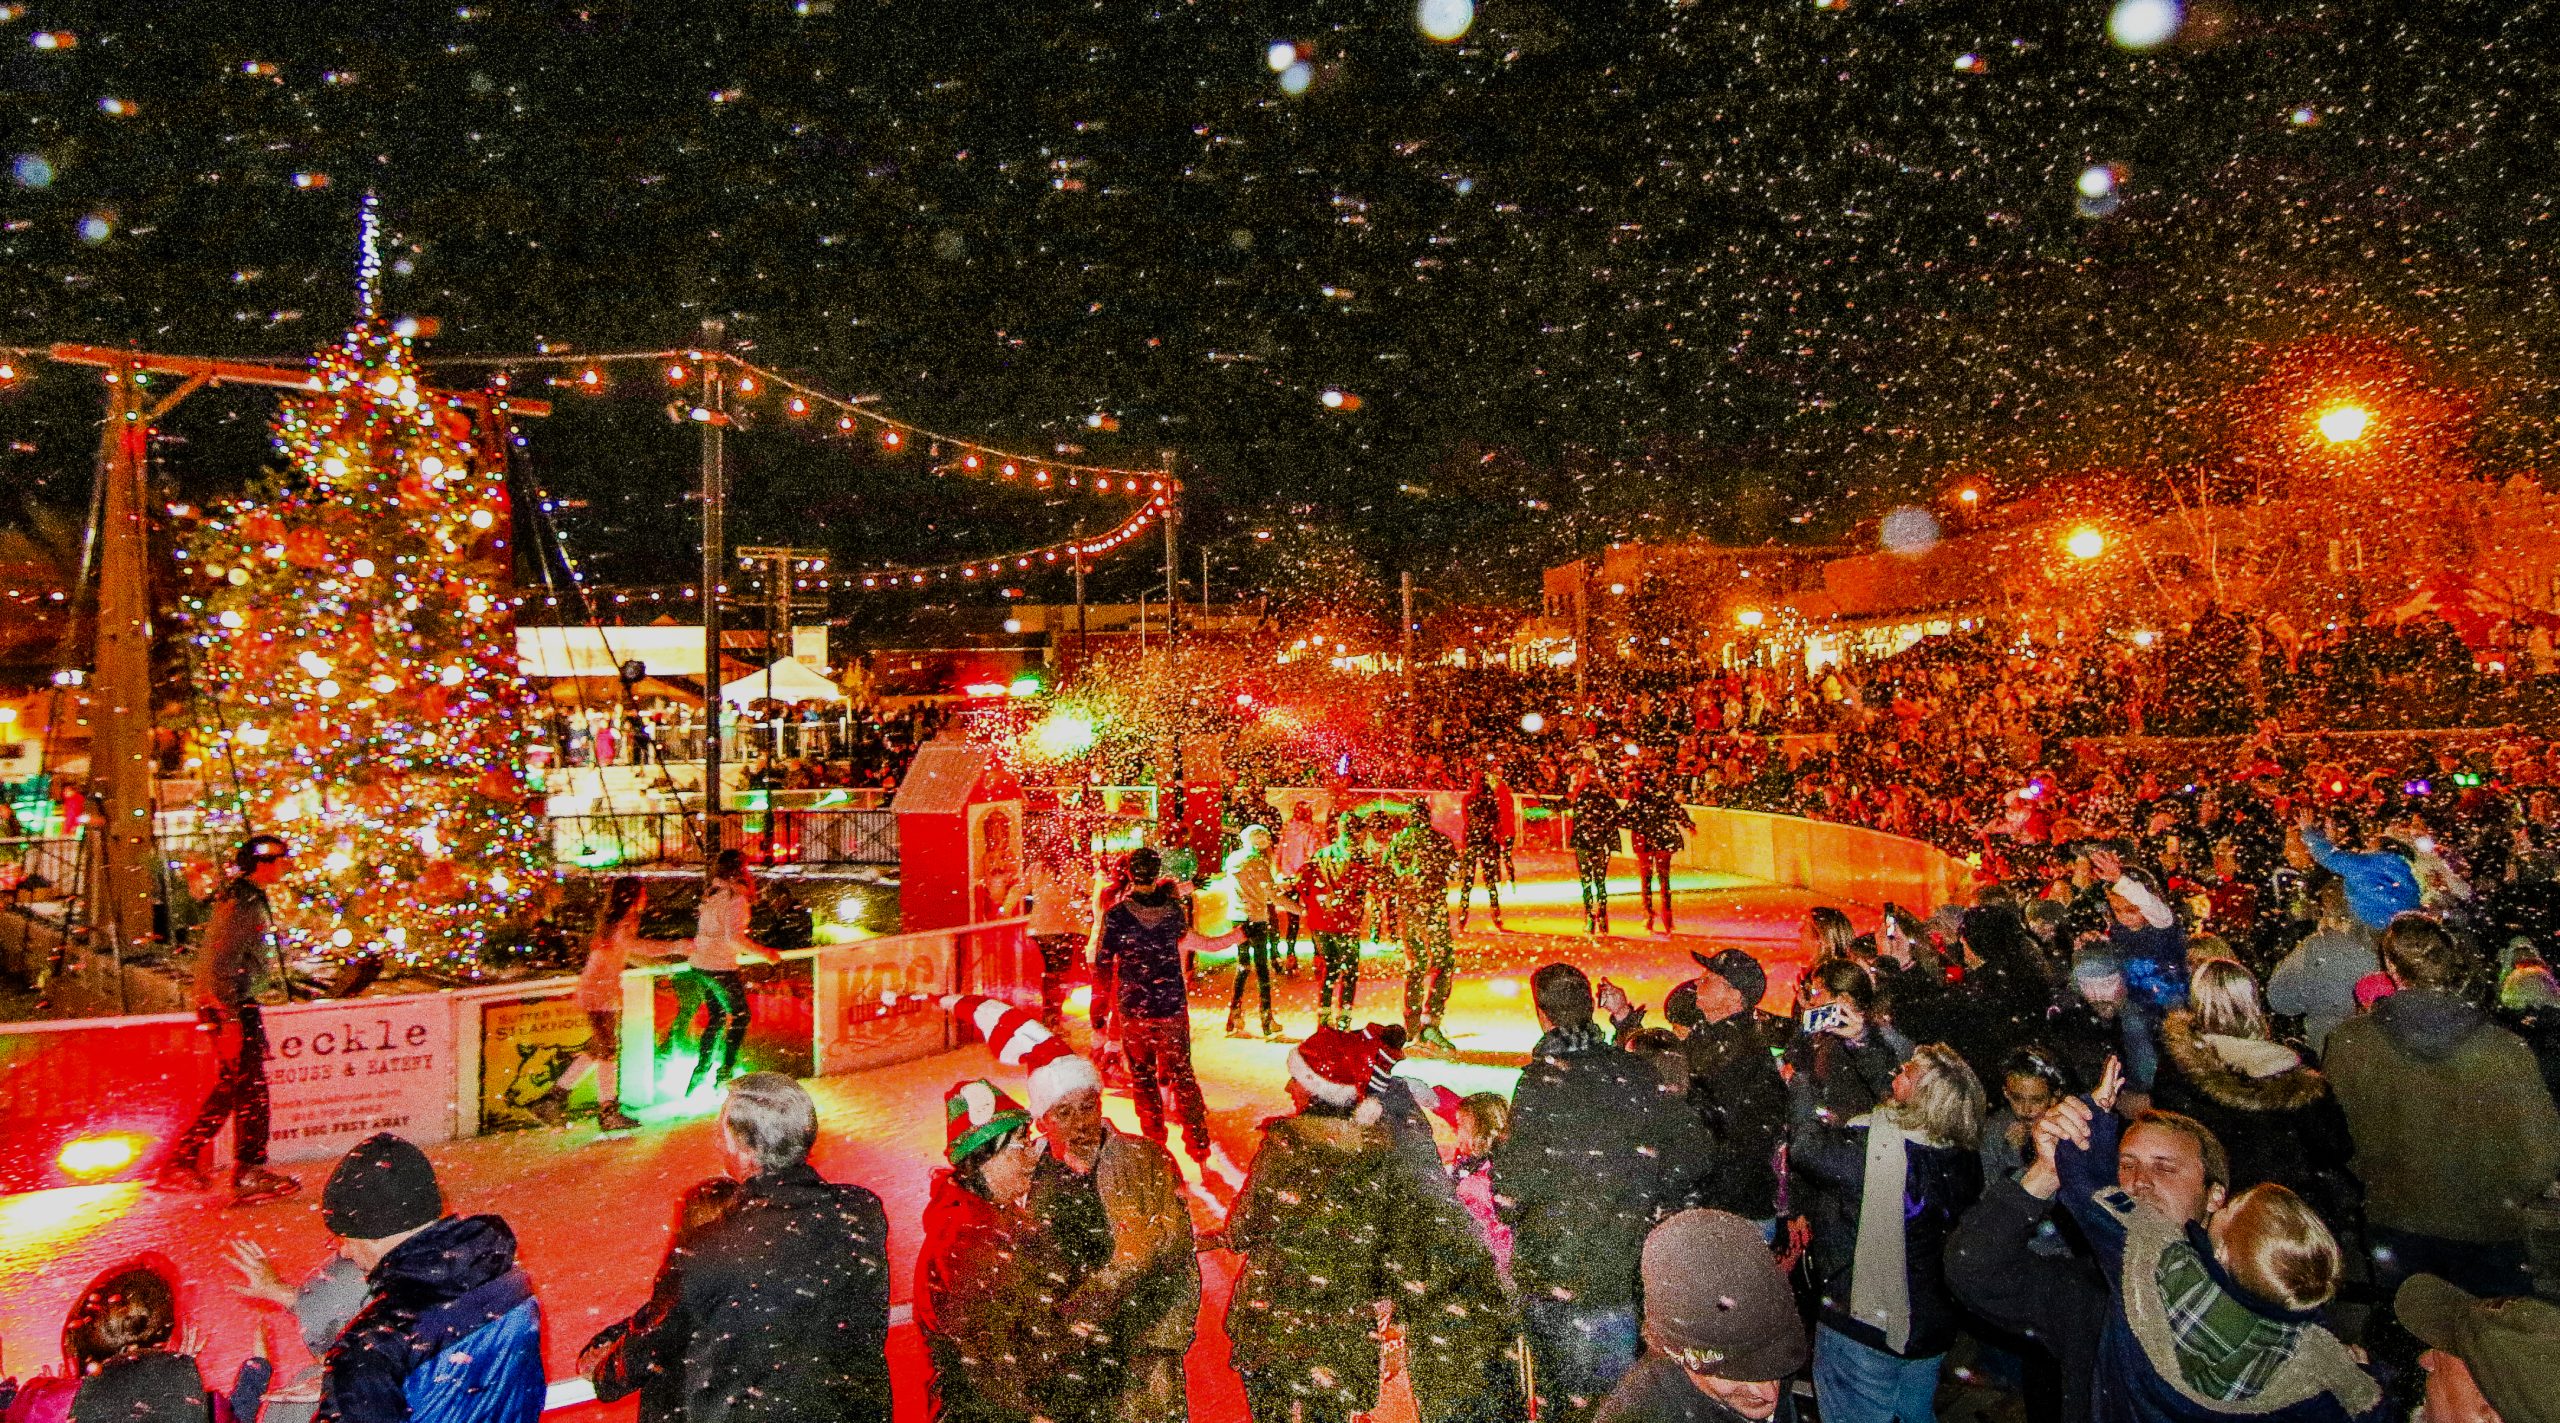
1880	1274
1570	1042
2212	1345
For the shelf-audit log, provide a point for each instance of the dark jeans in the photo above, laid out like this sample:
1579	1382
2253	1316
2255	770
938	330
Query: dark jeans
239	1094
1253	958
1060	955
1653	867
1579	1354
1430	962
1480	858
1157	1052
724	1025
1593	868
1338	959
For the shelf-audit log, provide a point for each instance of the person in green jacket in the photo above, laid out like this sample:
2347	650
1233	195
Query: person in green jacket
2454	1131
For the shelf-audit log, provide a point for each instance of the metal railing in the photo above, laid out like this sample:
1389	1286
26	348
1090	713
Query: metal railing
637	839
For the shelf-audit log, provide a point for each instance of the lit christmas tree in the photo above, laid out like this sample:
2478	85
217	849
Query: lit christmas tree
354	651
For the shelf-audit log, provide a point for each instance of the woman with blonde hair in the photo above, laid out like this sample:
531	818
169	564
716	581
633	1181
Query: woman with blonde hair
1827	934
2221	1064
1883	1192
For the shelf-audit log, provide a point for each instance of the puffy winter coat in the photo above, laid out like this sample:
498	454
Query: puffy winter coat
2379	883
2271	1111
1330	1222
450	1333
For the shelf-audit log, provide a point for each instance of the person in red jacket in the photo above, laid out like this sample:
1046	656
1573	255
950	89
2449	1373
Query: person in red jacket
977	1298
1334	888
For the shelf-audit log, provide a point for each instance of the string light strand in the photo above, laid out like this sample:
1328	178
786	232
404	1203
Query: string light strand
1046	558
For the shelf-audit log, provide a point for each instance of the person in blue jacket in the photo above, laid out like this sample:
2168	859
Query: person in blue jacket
2379	883
2207	1321
450	1331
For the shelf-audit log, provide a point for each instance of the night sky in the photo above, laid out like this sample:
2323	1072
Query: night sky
1754	270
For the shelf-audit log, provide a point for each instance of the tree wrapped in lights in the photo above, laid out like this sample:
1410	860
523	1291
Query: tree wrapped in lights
352	638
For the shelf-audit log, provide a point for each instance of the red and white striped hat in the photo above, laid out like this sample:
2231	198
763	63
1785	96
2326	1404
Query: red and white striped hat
1017	1040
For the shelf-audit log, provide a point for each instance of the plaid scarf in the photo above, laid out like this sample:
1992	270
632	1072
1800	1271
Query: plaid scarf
1571	1042
2226	1350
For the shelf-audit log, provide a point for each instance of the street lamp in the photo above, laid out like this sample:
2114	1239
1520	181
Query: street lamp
2344	424
2085	543
1750	618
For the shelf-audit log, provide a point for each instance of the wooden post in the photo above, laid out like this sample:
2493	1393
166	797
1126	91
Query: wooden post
715	567
120	763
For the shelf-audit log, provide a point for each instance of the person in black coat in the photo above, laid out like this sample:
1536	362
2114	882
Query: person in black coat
1735	1087
1843	1047
1598	1151
780	1310
2271	1110
2000	1005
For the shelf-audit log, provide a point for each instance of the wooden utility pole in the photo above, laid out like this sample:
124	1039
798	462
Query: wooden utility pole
1172	568
120	759
1084	642
715	567
120	751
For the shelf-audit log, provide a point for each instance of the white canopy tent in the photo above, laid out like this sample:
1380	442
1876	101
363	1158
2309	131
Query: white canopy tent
790	680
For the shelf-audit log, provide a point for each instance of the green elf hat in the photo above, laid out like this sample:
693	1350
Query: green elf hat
975	1113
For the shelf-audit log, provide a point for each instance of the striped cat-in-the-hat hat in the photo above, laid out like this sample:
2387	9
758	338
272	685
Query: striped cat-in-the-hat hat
1017	1040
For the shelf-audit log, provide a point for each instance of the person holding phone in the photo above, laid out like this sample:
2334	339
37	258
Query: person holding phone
1846	1052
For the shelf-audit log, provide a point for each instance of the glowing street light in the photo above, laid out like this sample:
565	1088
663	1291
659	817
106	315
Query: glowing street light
1750	618
2085	543
1969	495
2344	424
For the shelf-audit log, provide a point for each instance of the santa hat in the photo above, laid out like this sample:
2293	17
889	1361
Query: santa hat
1340	1068
975	1113
1017	1040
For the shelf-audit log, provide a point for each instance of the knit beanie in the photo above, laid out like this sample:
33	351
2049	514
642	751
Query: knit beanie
1715	1301
1017	1040
382	1187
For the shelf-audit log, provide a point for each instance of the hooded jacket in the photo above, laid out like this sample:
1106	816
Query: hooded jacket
2453	1130
2379	883
1142	940
449	1333
2272	1112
